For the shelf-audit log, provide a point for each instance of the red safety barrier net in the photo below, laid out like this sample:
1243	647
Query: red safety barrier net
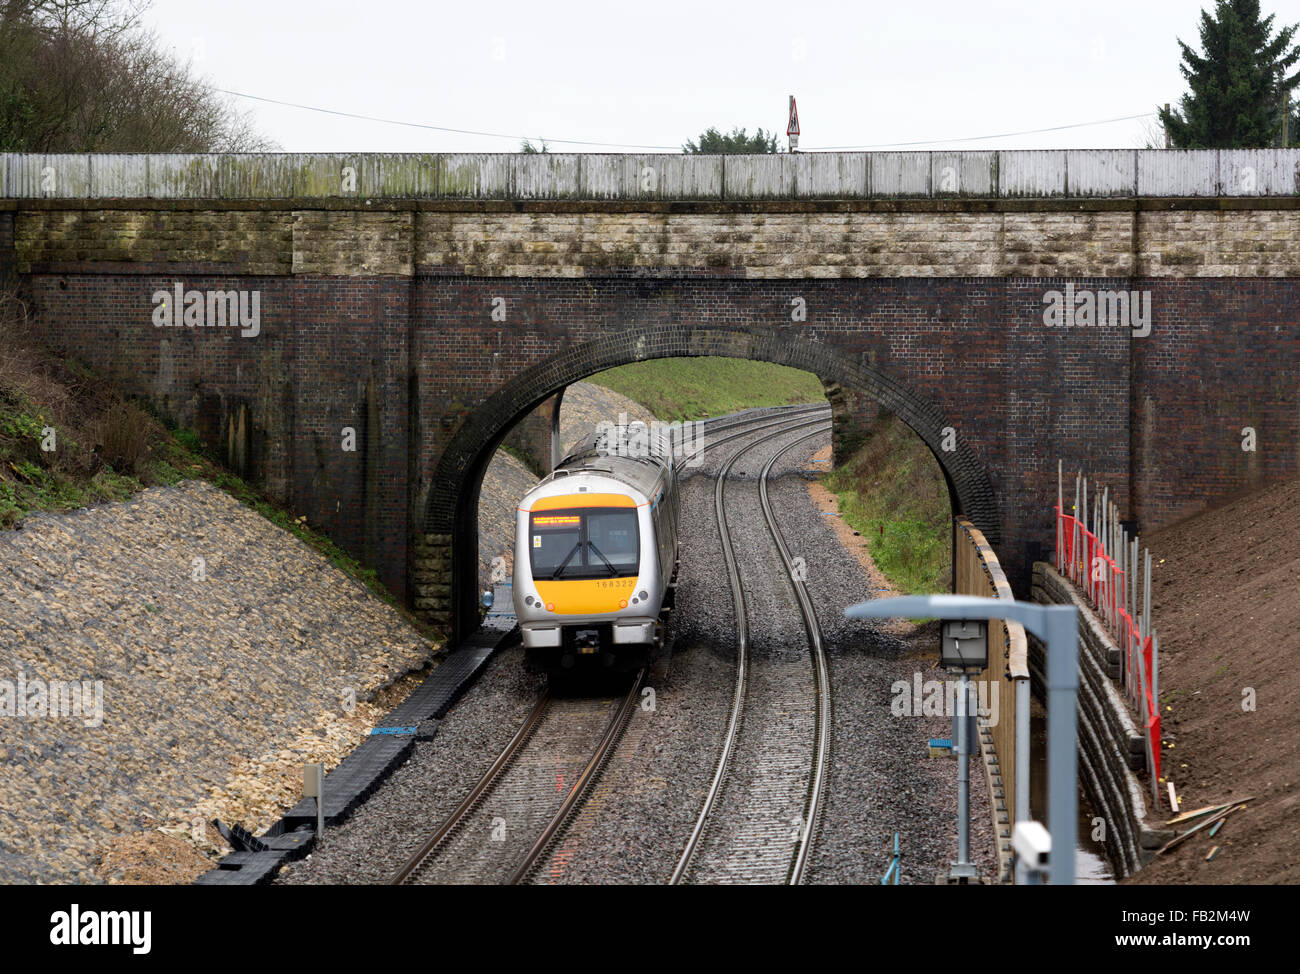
1094	571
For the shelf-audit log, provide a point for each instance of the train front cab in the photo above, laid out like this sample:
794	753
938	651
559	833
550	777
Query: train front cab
593	567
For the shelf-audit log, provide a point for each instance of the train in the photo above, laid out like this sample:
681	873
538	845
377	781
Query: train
596	553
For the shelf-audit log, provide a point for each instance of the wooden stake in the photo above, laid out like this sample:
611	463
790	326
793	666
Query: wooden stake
1179	839
1186	816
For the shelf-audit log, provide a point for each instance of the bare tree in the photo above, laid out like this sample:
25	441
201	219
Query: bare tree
86	76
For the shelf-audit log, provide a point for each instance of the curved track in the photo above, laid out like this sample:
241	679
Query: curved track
498	833
758	853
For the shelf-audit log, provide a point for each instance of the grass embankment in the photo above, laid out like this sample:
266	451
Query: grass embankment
69	440
694	388
893	493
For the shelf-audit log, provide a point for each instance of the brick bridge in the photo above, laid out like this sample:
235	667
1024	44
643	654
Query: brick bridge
428	302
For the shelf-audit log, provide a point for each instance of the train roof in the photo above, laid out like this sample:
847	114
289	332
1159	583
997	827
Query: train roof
637	459
634	441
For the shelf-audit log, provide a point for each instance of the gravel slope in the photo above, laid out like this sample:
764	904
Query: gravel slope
214	689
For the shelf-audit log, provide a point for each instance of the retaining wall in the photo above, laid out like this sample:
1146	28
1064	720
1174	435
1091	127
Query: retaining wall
1112	751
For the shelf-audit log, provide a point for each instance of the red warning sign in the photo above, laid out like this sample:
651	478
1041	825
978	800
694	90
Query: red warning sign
793	127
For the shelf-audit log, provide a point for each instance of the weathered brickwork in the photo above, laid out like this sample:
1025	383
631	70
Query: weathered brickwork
331	353
8	257
233	241
775	243
352	244
382	321
1224	356
1226	243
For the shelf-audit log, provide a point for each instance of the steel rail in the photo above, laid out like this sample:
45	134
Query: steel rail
756	423
742	650
599	759
821	676
471	802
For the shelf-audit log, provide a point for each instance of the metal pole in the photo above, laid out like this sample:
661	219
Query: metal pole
1108	570
1062	761
1117	565
1129	606
963	777
1102	524
1121	551
1133	606
1155	669
1082	581
1022	758
1145	711
1060	510
1146	601
1130	594
1074	542
1096	540
1112	597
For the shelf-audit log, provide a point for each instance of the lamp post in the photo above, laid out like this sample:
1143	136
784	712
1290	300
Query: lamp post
964	649
1057	627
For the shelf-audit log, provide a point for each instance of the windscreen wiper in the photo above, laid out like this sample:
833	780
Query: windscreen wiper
600	555
559	569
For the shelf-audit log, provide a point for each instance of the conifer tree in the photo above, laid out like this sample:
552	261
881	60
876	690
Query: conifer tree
1236	81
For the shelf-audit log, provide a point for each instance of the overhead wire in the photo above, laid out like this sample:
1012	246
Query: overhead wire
667	148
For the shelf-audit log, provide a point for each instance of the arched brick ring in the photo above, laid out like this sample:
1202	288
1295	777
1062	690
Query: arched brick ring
453	496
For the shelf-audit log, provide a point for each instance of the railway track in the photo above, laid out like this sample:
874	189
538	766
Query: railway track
752	424
516	813
785	764
512	816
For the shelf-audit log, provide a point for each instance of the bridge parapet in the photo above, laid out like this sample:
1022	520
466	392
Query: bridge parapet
1007	175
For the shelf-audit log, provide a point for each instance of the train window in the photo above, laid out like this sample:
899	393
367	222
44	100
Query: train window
584	543
614	535
553	540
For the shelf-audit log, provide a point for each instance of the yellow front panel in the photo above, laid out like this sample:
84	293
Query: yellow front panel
586	596
561	501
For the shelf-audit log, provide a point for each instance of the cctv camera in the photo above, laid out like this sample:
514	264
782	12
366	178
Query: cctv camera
1032	843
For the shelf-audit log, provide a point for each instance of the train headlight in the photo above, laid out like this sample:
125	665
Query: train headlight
550	606
644	595
622	603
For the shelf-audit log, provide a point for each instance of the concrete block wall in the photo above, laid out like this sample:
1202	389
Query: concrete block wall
1112	750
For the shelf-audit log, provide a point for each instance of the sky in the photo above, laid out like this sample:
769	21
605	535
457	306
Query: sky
643	74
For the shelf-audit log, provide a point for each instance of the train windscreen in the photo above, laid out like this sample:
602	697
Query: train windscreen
590	543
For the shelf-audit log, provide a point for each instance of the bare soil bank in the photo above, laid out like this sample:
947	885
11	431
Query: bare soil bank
1227	609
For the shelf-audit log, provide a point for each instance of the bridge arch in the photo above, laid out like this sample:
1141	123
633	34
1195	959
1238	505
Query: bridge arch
451	514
